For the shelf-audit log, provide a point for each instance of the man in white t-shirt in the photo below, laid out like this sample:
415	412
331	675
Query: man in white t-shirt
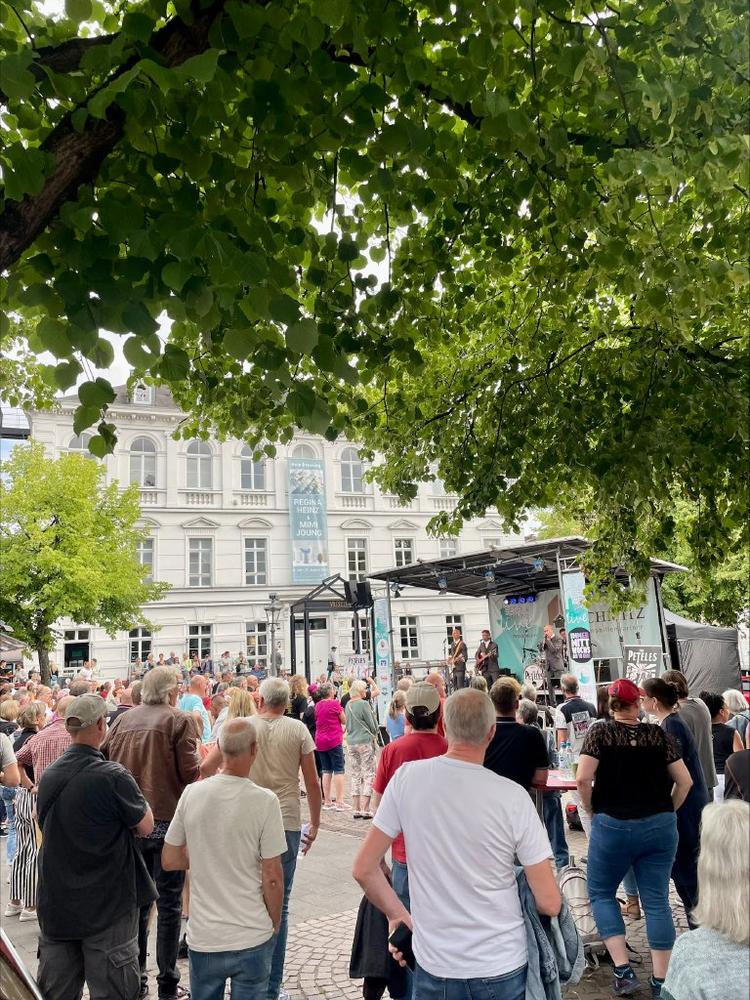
230	833
463	826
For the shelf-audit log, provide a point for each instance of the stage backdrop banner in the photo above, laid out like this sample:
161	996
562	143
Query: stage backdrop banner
381	614
518	628
308	522
579	633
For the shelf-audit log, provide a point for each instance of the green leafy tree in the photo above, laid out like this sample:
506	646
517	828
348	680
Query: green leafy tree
67	549
713	592
506	238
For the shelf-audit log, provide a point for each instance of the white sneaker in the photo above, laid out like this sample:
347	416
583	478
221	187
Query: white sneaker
12	909
27	914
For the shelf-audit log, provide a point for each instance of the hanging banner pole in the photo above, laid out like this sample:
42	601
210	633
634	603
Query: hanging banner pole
579	632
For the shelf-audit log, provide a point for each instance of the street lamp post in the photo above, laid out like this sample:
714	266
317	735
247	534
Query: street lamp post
273	617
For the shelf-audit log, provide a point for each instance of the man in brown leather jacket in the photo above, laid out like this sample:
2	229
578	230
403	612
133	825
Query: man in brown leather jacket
158	744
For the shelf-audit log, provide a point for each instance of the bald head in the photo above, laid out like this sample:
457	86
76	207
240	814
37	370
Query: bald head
126	696
62	705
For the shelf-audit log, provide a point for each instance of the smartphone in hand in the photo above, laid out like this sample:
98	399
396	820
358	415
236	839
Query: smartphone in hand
400	939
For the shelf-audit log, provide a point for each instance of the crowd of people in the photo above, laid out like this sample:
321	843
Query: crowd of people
190	787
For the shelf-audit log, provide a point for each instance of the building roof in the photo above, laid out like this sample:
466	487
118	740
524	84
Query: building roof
520	568
162	398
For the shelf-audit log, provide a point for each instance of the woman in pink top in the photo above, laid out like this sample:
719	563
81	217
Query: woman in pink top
329	742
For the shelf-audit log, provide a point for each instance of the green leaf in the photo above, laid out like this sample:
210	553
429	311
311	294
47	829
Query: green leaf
99	447
84	417
202	67
78	10
137	355
302	336
347	251
284	309
16	79
54	336
175	275
66	374
97	394
138	319
175	364
239	343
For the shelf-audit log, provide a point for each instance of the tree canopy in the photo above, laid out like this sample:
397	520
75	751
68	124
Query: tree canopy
506	241
67	549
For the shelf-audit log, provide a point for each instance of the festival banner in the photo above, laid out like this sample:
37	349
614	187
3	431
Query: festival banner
634	627
308	523
381	614
579	633
518	628
642	663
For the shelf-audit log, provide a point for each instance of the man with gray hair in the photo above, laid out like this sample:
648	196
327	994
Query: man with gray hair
230	833
467	924
157	743
284	748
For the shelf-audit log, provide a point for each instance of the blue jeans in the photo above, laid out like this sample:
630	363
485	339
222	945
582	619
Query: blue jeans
649	846
629	883
9	795
246	969
289	866
400	883
511	986
555	824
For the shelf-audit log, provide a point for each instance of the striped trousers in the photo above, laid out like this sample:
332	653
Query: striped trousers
23	871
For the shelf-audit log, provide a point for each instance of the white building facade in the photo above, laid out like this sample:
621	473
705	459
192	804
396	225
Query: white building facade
219	533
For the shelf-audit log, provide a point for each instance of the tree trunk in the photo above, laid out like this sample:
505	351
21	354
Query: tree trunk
43	655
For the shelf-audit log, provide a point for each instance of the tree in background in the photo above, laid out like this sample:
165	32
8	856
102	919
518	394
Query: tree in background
713	593
67	549
509	239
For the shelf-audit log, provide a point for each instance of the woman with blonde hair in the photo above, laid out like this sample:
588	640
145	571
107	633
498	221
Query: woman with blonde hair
298	696
711	962
23	871
395	719
240	704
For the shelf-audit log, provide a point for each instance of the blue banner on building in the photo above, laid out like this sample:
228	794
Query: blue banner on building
579	633
308	523
381	613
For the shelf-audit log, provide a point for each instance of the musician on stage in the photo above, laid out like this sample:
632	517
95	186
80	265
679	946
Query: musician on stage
457	660
553	649
486	658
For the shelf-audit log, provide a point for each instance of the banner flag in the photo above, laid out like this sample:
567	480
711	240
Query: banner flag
308	522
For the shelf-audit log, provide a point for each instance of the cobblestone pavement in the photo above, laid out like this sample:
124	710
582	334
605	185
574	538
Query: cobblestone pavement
322	917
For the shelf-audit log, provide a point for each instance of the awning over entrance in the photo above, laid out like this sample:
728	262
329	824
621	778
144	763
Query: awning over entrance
522	568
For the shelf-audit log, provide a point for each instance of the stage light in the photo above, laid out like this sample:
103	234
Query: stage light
530	599
442	583
538	564
521	600
489	575
506	601
513	600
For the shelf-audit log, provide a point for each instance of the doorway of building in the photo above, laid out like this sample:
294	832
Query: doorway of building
77	648
318	646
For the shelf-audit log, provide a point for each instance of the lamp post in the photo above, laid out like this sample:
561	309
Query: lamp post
273	617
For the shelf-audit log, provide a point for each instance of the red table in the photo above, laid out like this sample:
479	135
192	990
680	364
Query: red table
556	782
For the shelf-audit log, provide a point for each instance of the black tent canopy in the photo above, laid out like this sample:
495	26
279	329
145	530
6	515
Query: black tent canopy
707	655
522	568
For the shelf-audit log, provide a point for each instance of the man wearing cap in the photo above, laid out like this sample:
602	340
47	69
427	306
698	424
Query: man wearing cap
90	810
422	714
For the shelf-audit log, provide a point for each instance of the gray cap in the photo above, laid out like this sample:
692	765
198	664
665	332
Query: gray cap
85	711
422	695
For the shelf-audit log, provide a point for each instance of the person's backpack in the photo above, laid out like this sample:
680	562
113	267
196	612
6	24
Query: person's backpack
575	890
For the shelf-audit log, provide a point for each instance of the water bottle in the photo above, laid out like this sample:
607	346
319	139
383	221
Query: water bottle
303	837
565	757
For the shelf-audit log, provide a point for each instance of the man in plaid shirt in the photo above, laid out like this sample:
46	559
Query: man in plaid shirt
46	746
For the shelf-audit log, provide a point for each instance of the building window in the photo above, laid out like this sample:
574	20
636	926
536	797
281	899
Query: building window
451	622
143	462
403	551
493	542
200	553
447	548
80	442
143	395
304	451
252	473
364	636
408	637
356	558
351	471
140	643
256	560
199	640
199	461
256	643
145	553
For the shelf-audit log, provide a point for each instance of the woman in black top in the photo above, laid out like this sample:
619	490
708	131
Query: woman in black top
639	780
298	696
661	701
725	739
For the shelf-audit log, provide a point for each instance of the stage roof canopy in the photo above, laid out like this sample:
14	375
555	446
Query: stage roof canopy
522	568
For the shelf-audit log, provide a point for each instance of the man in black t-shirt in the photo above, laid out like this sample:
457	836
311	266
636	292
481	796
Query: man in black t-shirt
92	879
516	751
574	716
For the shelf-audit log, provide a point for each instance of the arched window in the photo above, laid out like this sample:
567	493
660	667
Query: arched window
80	442
143	462
304	451
351	471
199	460
252	473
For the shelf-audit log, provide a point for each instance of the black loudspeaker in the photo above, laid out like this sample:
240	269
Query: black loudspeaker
358	594
350	589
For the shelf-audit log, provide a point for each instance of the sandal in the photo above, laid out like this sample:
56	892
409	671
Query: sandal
631	907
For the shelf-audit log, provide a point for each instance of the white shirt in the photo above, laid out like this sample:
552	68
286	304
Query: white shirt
229	825
463	827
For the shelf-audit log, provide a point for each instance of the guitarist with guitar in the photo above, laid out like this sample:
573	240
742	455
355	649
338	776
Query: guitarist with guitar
486	658
457	660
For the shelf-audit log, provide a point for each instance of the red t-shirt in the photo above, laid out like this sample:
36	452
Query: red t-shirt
416	746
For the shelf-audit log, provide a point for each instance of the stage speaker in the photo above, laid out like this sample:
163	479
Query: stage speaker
350	589
364	594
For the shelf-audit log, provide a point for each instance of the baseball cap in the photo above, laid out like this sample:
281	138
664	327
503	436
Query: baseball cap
625	690
84	711
424	696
